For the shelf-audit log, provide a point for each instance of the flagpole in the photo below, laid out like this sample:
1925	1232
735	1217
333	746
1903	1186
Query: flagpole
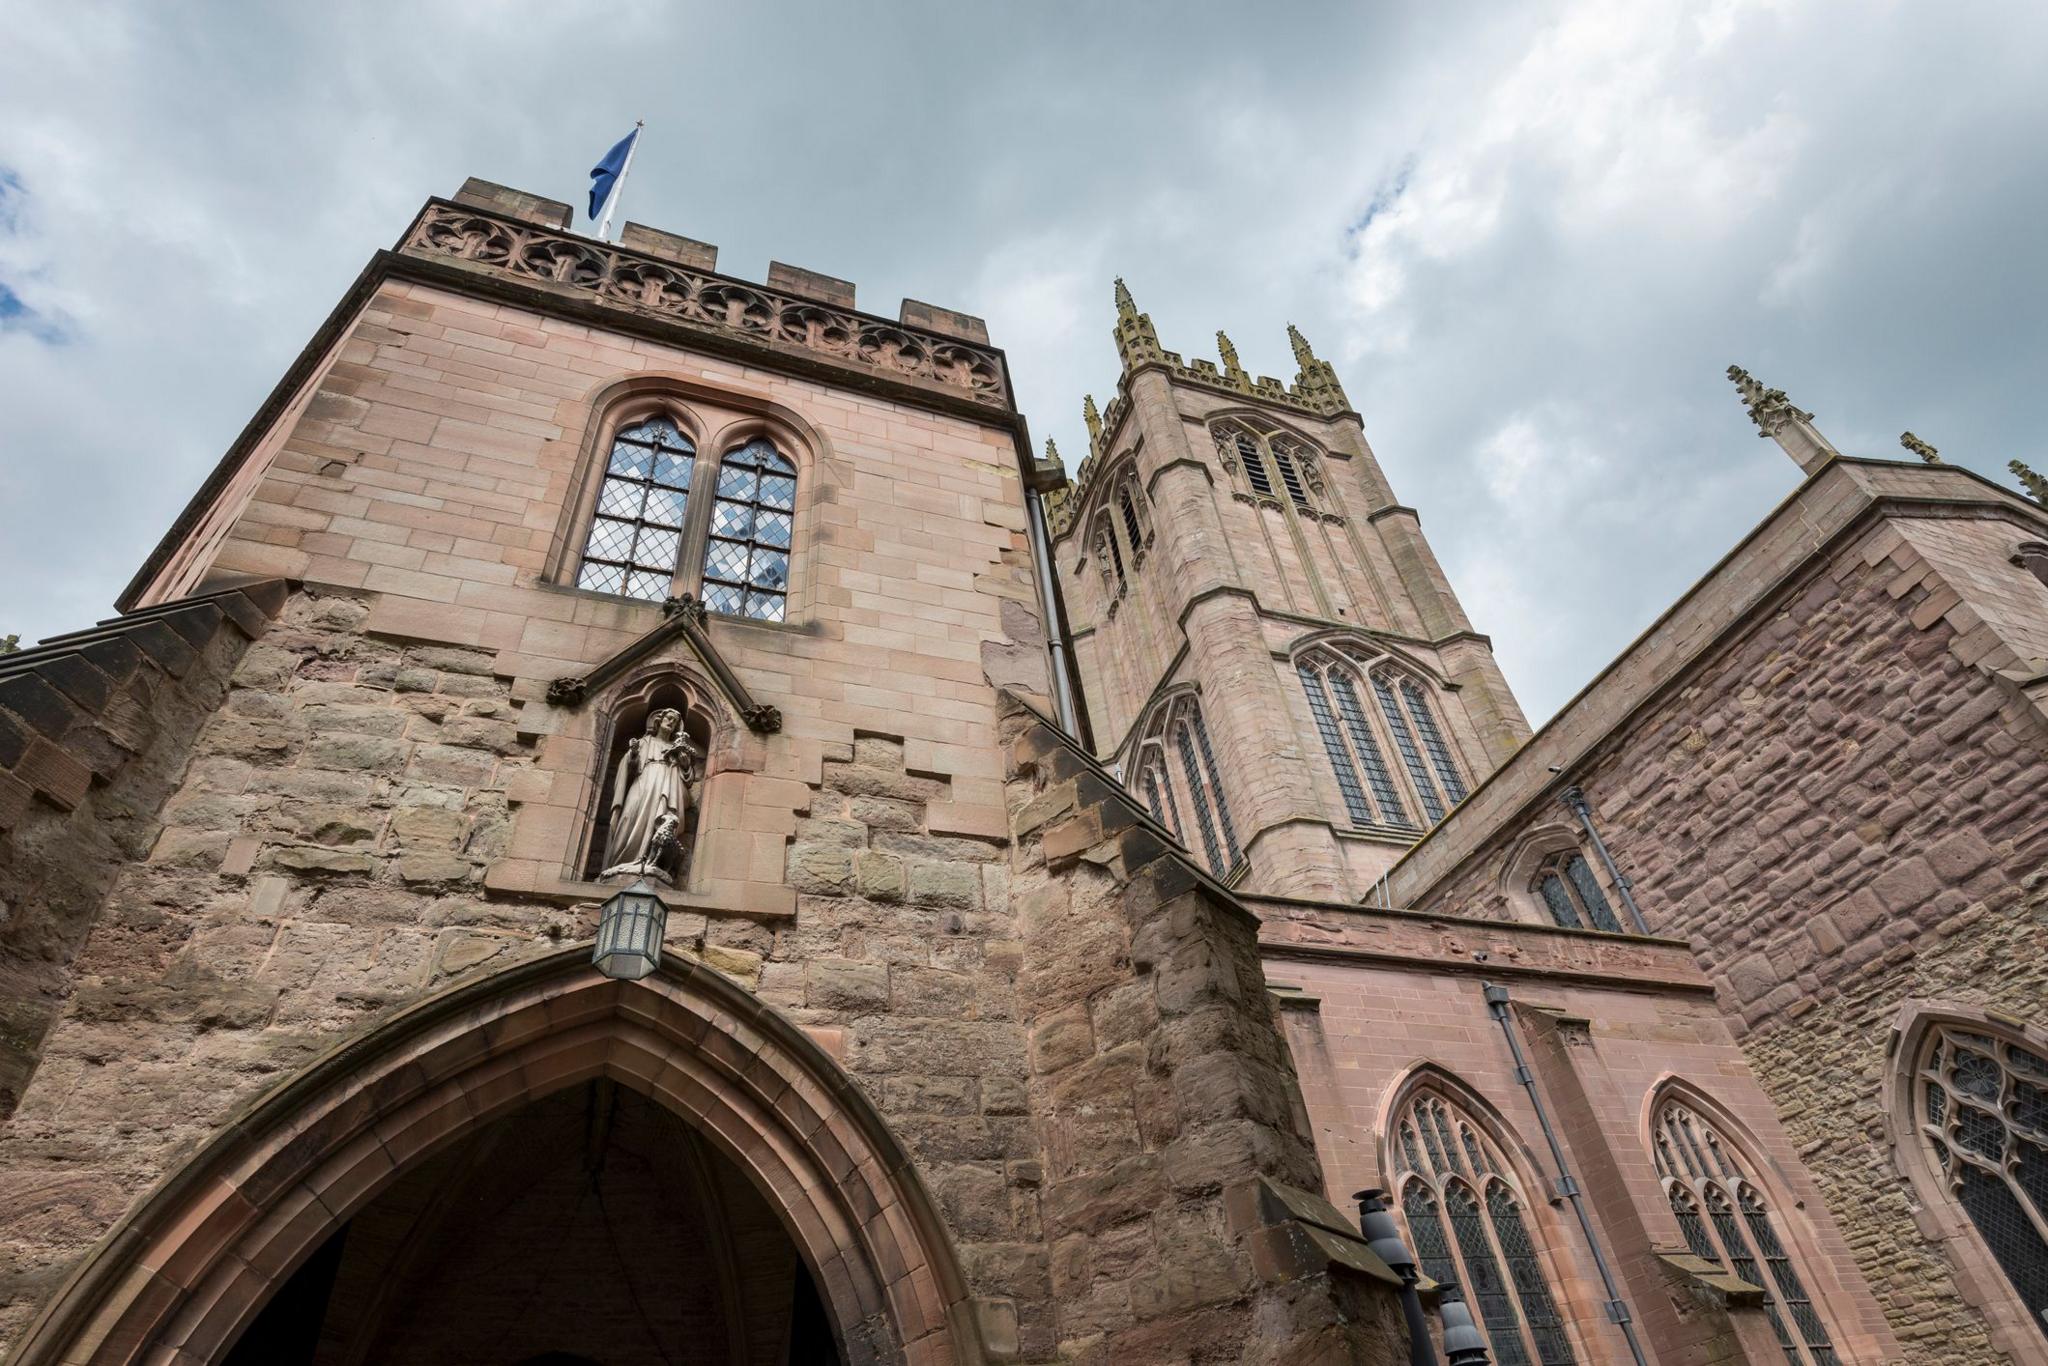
604	229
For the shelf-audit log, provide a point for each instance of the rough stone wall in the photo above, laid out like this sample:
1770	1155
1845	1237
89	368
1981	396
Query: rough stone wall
1164	1095
92	738
1843	815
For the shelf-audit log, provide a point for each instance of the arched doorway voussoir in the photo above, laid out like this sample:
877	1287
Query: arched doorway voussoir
184	1273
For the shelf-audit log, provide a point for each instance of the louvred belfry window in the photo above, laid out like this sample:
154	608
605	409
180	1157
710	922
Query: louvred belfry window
746	556
637	529
1722	1213
1469	1224
1982	1102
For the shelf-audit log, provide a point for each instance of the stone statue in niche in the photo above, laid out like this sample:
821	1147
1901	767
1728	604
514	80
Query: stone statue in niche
650	800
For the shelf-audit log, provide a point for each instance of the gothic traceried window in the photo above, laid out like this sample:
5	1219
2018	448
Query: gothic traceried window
1110	558
648	538
1469	1223
1982	1107
1175	774
746	556
1722	1213
1363	739
1573	895
636	531
1258	453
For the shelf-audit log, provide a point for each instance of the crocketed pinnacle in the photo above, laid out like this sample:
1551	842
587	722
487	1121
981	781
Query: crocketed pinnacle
1228	353
1092	417
1304	354
1125	305
1920	448
2035	485
1768	408
1052	454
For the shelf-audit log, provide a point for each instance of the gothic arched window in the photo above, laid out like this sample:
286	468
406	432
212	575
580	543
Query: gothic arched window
1366	712
1573	895
648	539
1469	1223
1110	558
1981	1104
746	556
1259	453
1724	1218
636	531
1175	775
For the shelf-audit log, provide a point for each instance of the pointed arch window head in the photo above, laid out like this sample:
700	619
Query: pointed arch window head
1363	740
746	555
1573	896
1722	1213
1982	1107
636	531
1468	1221
1176	775
1272	463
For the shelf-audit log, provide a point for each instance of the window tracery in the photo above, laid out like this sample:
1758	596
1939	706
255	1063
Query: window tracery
1466	1217
1358	740
1981	1109
1175	774
1725	1219
646	536
1272	464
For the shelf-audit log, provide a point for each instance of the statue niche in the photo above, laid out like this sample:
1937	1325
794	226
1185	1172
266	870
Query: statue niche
644	824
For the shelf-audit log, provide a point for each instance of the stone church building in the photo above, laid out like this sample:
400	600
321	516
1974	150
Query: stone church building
1074	890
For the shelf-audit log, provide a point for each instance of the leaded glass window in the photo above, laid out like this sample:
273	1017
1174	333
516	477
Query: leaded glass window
1404	743
1724	1218
1469	1224
746	556
1176	773
636	530
1358	733
1983	1107
1573	895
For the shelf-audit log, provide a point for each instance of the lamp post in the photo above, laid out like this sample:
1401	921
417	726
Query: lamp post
629	929
1384	1239
1464	1345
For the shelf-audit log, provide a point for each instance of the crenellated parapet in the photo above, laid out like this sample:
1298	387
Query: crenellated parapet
818	324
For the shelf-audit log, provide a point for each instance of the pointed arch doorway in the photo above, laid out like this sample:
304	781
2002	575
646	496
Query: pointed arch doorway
542	1166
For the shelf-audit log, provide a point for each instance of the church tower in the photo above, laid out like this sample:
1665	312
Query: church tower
1273	659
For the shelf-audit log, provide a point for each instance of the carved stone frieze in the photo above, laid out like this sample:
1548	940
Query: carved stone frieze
647	284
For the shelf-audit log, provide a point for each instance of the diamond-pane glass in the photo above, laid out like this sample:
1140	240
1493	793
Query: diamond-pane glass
1384	794
1184	740
1433	740
1411	757
1722	1214
1486	1244
746	559
1333	746
1590	896
635	531
1551	887
1215	786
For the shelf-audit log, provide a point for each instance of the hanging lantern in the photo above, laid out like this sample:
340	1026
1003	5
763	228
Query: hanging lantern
629	929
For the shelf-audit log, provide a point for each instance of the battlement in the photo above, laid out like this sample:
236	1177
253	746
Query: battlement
659	274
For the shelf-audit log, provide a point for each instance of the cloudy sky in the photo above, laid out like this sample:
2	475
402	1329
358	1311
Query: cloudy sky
1532	237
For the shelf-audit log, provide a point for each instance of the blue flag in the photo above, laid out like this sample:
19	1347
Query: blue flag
605	174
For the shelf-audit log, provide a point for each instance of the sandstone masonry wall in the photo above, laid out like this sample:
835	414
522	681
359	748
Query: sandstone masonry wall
1844	814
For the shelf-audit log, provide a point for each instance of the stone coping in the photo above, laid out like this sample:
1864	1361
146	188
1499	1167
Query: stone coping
1835	502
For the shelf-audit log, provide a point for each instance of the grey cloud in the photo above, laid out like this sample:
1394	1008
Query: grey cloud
1532	236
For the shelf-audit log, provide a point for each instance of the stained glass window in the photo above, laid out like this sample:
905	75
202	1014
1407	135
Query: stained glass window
746	556
1724	1219
1468	1224
1573	895
1984	1117
636	530
1433	741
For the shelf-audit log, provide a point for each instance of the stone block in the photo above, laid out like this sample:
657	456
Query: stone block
820	869
1062	1039
844	985
313	858
879	876
953	885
